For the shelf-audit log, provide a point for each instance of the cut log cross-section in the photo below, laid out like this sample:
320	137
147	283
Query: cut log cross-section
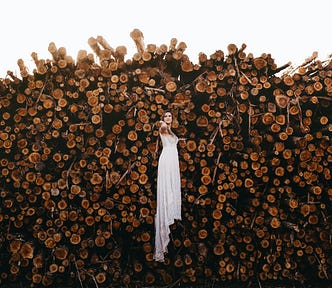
79	154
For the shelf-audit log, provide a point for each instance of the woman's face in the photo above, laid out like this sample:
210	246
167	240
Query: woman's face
168	118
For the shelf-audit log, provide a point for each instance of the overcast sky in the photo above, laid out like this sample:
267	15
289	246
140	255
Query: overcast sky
290	30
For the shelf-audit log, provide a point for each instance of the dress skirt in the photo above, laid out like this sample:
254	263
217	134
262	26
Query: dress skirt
168	194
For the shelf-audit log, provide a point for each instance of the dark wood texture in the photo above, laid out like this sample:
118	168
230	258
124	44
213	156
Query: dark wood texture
79	151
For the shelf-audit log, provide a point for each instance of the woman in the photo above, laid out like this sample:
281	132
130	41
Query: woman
168	187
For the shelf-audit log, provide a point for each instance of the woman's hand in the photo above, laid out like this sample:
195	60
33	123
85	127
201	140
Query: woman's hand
160	123
163	126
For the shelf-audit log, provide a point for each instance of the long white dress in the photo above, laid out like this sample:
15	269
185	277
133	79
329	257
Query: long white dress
168	194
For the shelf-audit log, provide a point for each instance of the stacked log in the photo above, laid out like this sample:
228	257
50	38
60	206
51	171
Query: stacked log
79	155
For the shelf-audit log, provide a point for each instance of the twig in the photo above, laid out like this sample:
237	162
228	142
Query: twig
319	97
215	168
154	89
126	94
116	144
253	221
259	282
321	266
167	286
93	278
213	136
41	92
101	116
220	130
107	180
237	67
247	78
124	174
249	123
78	272
67	174
238	271
324	216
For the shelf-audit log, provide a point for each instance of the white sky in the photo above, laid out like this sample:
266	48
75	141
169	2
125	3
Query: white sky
290	30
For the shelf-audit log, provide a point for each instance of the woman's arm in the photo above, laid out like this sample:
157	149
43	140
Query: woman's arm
163	127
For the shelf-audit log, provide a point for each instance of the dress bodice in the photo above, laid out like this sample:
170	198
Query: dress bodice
169	140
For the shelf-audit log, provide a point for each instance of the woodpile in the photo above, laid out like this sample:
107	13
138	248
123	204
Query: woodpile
79	152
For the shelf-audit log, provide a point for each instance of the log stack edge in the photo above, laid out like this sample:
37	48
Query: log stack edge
79	151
